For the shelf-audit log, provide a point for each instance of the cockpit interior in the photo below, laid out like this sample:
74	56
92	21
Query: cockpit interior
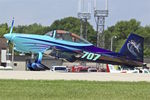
66	36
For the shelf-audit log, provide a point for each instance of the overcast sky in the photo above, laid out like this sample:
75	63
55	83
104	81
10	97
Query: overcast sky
46	11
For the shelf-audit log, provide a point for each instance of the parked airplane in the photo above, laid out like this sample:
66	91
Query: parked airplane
67	45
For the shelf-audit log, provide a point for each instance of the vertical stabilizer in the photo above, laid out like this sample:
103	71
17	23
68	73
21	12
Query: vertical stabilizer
133	47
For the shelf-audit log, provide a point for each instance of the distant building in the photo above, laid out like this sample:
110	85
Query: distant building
3	47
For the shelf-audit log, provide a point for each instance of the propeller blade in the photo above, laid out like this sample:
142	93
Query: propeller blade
12	25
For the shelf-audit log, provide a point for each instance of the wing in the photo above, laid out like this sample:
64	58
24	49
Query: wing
28	47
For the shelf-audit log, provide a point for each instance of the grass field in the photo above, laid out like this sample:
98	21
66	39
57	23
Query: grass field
73	90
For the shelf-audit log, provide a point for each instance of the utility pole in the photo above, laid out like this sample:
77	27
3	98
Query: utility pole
112	42
12	55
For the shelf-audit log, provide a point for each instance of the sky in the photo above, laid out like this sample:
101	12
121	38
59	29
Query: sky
46	12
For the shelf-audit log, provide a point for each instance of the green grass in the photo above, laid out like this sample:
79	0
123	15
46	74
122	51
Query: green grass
73	90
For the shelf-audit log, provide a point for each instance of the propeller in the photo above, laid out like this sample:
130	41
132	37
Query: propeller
8	41
12	25
8	34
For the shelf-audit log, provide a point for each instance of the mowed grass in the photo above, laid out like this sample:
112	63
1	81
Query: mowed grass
73	90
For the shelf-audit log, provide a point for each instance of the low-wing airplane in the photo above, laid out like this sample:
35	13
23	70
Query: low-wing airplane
67	45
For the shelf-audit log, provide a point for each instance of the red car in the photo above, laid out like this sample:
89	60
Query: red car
79	68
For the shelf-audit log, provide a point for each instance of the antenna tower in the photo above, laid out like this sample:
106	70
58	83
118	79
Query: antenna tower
84	15
100	16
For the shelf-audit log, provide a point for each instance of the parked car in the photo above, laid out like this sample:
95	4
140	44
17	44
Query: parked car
58	69
145	71
92	69
79	68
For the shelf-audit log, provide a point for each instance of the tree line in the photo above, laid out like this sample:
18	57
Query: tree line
121	29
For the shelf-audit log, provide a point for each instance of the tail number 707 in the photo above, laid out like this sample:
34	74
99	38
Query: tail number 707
90	56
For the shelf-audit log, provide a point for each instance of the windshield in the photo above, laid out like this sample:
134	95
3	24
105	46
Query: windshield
64	35
50	33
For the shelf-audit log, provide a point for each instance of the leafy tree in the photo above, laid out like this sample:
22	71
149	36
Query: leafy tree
3	29
31	29
122	29
72	24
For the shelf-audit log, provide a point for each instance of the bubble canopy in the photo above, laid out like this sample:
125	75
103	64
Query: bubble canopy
67	36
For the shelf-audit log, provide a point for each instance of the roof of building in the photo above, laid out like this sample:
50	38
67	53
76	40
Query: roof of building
3	43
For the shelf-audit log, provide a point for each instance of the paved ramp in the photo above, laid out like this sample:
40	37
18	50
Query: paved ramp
47	75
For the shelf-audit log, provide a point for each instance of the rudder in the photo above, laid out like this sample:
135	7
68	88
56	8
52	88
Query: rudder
133	47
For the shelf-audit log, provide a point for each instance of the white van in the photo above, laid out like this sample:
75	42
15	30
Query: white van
58	69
